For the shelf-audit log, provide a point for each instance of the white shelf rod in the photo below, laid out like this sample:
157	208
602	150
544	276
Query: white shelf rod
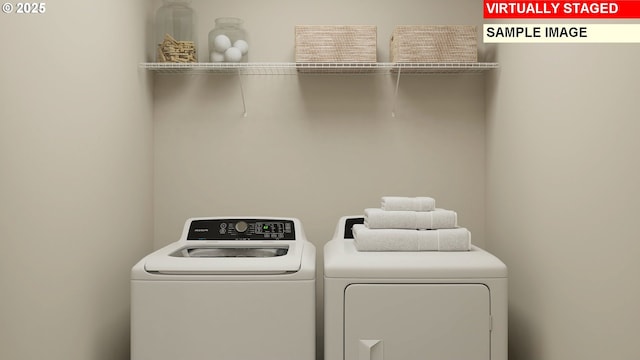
319	68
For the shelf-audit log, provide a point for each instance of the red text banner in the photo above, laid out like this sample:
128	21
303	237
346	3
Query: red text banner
502	9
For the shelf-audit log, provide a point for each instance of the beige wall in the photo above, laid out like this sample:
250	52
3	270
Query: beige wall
317	147
563	199
75	184
80	174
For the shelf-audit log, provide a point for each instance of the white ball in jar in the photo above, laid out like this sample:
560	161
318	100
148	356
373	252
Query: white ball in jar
242	45
221	43
217	57
233	54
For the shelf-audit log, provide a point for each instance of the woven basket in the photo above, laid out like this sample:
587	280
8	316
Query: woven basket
336	43
434	44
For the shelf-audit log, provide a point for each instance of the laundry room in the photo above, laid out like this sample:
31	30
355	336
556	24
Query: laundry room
105	157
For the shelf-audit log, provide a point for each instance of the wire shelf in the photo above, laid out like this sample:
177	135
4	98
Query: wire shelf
316	68
398	69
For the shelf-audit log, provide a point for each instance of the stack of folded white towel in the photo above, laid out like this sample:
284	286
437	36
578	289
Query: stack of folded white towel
410	224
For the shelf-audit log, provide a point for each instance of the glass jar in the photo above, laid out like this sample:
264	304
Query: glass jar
228	41
175	32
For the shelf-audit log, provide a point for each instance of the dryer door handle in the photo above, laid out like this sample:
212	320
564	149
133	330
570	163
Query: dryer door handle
370	350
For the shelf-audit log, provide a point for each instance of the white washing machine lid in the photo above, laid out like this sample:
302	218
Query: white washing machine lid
225	257
232	245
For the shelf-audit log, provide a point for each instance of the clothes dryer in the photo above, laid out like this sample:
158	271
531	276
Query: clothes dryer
412	305
229	288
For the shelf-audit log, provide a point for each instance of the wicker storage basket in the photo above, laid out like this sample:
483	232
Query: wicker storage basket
434	44
336	43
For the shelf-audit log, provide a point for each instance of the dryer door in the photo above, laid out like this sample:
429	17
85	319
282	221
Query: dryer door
417	321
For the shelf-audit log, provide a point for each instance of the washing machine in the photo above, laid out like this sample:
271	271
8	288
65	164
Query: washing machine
412	305
230	288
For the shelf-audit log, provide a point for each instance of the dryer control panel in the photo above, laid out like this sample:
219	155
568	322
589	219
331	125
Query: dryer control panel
242	229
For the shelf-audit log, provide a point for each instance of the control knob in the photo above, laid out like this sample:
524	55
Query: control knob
241	226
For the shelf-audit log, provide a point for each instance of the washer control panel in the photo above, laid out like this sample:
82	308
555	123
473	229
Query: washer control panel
241	229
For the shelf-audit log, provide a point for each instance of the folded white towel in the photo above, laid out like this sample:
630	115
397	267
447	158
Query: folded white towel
365	239
394	203
436	219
